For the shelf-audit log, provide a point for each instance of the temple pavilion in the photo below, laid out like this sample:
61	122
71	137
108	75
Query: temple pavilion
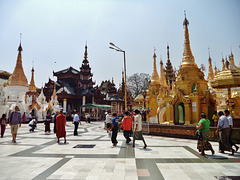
74	88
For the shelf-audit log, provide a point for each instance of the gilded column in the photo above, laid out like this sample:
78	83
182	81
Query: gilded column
187	113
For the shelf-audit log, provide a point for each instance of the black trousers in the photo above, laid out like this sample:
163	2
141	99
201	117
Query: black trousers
75	128
114	135
47	126
230	138
127	135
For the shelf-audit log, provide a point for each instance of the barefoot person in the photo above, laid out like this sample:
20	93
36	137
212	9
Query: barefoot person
230	120
223	131
203	130
137	130
60	126
114	129
127	126
14	122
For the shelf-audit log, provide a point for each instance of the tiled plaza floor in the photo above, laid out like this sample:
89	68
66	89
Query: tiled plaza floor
37	156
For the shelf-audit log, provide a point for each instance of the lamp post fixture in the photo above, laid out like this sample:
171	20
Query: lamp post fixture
114	47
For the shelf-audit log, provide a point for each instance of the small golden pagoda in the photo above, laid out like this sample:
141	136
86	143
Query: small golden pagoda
156	92
191	90
152	93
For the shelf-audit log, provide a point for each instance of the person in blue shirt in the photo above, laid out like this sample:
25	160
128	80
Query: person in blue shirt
114	129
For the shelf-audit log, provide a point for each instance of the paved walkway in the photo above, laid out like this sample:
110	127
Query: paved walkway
37	156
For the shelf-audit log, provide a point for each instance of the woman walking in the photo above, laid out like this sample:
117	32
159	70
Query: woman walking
203	134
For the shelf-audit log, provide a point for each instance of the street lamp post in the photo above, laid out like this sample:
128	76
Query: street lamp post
113	46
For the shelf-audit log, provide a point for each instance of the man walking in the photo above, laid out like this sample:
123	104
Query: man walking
137	130
14	122
230	120
223	130
127	126
114	129
76	122
109	123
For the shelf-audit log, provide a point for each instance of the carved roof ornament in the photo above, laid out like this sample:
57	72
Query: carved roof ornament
188	58
179	97
18	77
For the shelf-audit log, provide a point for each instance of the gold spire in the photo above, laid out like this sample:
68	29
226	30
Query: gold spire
85	54
155	76
163	75
54	95
215	70
18	77
188	58
231	58
32	86
223	64
168	57
210	69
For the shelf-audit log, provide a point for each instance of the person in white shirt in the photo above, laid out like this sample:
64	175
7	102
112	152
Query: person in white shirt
76	121
137	130
230	120
109	122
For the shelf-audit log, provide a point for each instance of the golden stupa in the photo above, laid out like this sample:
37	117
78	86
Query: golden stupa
191	95
18	77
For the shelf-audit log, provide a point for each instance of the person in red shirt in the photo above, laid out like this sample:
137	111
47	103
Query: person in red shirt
127	126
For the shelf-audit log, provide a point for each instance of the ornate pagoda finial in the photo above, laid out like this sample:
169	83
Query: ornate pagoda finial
210	69
85	54
32	86
223	63
20	46
168	56
155	76
154	54
188	58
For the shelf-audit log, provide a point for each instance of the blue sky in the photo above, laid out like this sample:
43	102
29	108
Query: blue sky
57	31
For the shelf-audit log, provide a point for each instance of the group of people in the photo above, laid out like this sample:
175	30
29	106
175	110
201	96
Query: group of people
131	124
224	132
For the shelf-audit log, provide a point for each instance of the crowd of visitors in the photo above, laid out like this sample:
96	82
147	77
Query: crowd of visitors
131	123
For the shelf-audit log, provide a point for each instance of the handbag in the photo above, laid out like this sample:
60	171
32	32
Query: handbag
199	136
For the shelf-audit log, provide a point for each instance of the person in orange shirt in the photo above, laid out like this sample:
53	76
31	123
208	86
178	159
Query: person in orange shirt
127	126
